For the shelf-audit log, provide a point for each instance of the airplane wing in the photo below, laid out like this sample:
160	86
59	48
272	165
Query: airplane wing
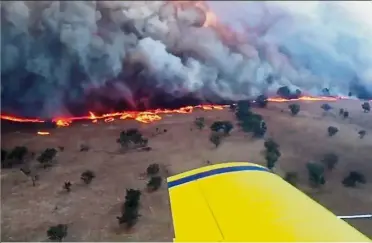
246	202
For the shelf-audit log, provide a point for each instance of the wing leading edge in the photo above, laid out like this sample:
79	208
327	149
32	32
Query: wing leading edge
245	202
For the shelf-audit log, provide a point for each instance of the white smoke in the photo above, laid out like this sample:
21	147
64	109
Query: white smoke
53	53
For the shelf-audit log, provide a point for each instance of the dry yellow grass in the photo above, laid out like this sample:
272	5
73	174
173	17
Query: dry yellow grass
90	210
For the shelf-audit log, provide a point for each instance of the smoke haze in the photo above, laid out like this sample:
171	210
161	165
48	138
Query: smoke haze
62	58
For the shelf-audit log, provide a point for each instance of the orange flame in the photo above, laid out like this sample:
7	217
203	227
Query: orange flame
151	115
43	133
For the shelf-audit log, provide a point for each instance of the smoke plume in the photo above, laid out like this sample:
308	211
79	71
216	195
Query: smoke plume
62	58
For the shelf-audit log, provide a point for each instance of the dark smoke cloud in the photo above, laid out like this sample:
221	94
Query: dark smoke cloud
59	58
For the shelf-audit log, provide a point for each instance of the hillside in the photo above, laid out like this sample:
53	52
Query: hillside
90	210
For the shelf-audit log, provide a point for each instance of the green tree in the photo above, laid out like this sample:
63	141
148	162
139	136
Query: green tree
366	107
200	122
87	176
330	160
316	174
332	131
57	232
294	108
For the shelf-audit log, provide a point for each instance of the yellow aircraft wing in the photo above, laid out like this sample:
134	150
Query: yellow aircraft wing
246	202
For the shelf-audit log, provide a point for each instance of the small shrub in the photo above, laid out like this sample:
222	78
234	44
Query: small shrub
153	169
346	114
291	178
362	133
67	186
87	176
57	232
200	122
330	161
294	108
154	183
366	107
215	138
316	174
332	131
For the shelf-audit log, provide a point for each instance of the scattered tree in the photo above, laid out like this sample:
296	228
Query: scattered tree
353	179
249	121
271	145
129	213
366	107
262	101
291	178
14	157
284	92
67	186
225	126
200	122
154	183
330	160
215	138
332	130
316	174
132	137
153	169
87	176
272	153
326	107
294	108
46	157
346	114
362	133
271	159
57	232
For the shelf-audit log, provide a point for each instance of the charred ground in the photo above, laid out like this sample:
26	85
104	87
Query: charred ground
90	210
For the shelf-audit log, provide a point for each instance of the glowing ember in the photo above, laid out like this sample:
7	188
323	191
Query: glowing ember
43	133
152	115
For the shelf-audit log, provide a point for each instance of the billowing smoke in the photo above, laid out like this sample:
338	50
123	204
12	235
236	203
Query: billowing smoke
61	58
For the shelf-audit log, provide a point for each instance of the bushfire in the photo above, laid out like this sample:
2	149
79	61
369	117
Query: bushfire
145	116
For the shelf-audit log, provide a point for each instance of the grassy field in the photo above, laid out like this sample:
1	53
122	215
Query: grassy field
90	210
